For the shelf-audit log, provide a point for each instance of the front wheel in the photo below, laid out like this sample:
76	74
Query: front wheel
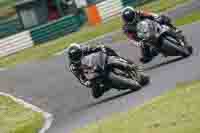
121	83
97	92
190	49
186	44
137	74
177	47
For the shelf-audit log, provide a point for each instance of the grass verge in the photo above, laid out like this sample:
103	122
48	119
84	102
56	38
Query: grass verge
189	18
7	3
86	33
14	118
178	111
6	9
162	5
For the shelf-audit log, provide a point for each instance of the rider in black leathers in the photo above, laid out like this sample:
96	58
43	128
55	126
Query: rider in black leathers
76	52
131	17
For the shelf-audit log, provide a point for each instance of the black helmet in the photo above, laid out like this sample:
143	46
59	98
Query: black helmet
74	53
129	15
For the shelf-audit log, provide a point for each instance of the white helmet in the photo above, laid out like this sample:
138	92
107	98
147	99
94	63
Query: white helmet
74	44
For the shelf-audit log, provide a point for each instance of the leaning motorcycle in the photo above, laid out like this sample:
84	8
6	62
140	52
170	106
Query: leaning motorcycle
163	38
102	76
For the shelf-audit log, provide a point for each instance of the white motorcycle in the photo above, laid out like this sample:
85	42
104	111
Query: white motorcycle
165	39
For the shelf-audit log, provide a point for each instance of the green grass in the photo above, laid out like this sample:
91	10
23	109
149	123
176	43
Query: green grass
7	3
178	111
6	6
85	34
14	118
162	5
190	18
7	9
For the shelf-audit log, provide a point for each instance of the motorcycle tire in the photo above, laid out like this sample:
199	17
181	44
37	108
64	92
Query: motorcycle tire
171	42
138	75
122	83
190	49
96	92
187	46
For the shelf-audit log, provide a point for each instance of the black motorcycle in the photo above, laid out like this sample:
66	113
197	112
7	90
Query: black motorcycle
163	38
104	76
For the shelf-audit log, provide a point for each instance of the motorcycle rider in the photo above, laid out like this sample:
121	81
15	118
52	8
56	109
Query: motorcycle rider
76	52
131	17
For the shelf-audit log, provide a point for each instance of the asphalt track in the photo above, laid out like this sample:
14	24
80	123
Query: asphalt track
50	86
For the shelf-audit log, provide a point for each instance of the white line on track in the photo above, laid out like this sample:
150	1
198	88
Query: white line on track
48	117
3	69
